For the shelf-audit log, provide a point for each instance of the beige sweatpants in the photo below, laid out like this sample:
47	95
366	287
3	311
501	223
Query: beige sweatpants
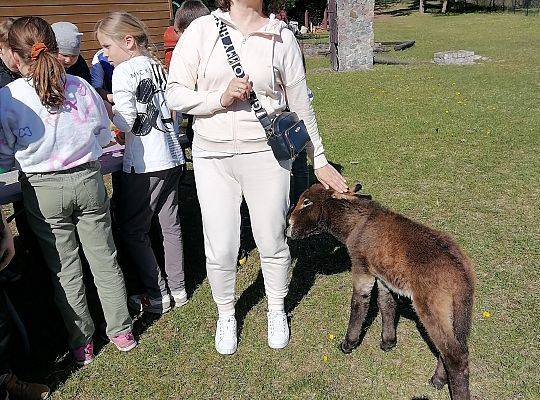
264	182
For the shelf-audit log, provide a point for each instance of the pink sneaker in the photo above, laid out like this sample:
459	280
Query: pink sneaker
84	355
124	342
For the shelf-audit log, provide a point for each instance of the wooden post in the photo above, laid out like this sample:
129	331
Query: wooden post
332	19
444	6
324	23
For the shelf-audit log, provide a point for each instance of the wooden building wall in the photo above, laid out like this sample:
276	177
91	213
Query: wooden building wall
156	14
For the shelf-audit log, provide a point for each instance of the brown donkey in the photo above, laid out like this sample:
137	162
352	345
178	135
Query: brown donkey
404	257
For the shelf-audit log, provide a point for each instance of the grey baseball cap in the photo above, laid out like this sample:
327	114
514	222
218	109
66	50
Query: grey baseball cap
68	38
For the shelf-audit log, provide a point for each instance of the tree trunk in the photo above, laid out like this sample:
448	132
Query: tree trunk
421	8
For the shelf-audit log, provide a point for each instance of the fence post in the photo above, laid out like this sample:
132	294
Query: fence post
332	19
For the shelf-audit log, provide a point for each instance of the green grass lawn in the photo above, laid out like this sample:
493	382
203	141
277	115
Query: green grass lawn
454	147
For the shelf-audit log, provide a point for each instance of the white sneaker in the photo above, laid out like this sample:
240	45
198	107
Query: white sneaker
278	329
226	341
141	302
179	297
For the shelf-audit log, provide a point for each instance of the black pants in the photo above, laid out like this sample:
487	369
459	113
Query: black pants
4	342
300	179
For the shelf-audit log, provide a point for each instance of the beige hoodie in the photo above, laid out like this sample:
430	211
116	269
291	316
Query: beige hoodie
200	73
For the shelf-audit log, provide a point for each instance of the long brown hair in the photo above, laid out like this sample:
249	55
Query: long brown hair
32	38
189	11
225	5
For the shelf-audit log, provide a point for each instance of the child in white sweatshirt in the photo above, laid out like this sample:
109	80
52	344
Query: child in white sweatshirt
153	161
52	127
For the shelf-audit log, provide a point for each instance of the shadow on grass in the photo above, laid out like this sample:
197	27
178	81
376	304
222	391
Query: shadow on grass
49	360
396	9
317	255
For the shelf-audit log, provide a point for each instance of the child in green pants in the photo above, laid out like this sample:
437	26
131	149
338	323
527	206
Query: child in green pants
53	126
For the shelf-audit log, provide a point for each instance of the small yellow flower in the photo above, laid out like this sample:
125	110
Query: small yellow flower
446	111
331	336
486	314
325	358
458	93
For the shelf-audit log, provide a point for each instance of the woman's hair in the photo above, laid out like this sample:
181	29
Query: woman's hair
32	38
189	11
225	5
117	25
5	26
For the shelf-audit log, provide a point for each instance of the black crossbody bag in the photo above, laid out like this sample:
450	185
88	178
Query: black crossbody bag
286	134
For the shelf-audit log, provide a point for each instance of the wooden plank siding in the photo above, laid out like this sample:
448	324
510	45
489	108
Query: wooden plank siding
156	14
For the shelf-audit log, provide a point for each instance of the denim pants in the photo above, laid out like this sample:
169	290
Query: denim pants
59	206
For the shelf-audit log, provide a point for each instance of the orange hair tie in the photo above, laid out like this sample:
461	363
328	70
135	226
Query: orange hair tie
37	48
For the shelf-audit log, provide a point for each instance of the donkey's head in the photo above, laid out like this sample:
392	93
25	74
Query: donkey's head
306	218
320	209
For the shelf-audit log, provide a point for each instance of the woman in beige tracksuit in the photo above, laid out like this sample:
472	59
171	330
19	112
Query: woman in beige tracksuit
230	155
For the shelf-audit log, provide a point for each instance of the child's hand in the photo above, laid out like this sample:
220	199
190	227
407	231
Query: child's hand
238	89
119	136
108	107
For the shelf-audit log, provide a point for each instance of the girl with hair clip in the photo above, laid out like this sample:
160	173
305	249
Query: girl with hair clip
153	161
231	157
53	126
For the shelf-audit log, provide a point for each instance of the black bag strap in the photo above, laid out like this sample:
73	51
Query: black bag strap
234	61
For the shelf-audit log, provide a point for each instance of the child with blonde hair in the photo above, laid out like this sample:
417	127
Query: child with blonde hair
153	160
53	126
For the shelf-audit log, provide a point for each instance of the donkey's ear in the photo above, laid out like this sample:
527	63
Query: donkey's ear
357	187
363	196
344	196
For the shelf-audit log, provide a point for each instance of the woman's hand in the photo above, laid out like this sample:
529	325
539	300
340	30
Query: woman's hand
7	248
329	177
238	89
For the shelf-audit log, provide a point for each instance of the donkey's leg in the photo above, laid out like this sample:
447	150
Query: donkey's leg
436	316
438	380
362	285
457	365
387	306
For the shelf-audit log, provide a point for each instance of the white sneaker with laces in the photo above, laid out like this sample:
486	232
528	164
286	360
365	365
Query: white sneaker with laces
226	341
278	329
180	297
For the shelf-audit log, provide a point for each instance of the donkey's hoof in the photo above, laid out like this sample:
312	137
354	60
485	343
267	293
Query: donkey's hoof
437	382
389	345
347	347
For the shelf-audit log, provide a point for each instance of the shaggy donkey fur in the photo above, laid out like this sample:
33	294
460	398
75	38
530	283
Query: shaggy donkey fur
404	257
